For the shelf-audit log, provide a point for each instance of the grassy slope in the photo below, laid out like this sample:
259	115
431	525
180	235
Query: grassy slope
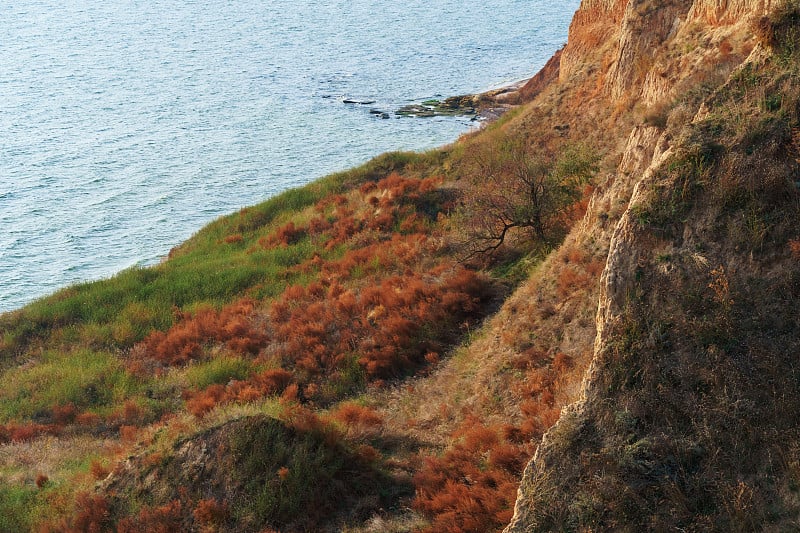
71	376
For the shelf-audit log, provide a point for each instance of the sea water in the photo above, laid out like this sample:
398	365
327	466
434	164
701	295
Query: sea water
125	125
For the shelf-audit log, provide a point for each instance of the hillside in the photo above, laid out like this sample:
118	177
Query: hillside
581	317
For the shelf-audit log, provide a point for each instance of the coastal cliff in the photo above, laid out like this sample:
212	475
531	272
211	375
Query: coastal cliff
686	414
583	316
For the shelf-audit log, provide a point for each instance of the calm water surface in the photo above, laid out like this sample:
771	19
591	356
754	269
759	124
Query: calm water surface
125	125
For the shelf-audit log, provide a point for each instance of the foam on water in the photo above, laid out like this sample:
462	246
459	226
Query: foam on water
126	125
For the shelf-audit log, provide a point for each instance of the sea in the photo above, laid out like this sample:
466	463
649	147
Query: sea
126	125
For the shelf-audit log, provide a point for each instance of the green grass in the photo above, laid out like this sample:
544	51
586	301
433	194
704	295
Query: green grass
15	508
319	474
88	379
217	370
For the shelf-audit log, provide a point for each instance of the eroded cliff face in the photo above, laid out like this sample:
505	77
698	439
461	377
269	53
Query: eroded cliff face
646	51
686	415
717	12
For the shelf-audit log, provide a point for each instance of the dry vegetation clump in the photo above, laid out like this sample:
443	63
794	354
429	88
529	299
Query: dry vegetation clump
184	341
92	513
26	431
472	487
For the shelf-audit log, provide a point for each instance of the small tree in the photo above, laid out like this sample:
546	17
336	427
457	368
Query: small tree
513	190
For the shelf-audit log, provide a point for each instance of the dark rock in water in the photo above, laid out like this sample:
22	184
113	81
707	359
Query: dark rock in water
377	113
360	102
415	110
452	106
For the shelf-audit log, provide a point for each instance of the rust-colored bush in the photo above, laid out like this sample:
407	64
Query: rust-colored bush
794	248
204	401
561	363
572	279
14	432
211	512
267	383
64	414
318	225
128	434
98	470
461	491
342	230
358	419
41	480
88	419
184	341
368	187
92	514
131	413
284	236
272	381
163	519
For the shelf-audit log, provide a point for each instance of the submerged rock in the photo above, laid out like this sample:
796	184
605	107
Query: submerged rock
453	106
359	102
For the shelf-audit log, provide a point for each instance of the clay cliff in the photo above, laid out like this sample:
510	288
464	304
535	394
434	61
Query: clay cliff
686	413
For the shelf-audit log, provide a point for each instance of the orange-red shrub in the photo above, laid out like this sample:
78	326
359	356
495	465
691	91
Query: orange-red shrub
204	401
283	236
98	470
88	419
128	434
794	247
561	363
211	512
131	413
266	383
357	418
92	514
28	431
318	225
163	519
64	414
184	340
461	491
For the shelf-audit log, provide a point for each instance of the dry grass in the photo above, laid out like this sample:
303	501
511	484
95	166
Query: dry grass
20	463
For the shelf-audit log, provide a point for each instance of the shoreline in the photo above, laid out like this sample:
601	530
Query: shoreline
491	104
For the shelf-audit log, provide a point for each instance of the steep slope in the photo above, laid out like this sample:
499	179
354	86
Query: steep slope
686	418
